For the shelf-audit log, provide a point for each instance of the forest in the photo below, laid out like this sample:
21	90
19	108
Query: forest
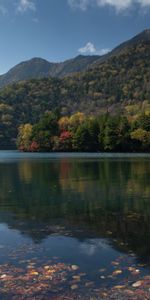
119	86
82	133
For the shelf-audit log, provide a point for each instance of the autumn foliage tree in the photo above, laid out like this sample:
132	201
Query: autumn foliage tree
86	133
24	137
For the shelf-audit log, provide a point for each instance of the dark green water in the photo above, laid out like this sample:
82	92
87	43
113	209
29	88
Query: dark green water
85	210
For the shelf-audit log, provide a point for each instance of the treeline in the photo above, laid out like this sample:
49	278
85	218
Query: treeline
80	132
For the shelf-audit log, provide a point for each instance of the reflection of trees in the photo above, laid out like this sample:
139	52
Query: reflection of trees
103	195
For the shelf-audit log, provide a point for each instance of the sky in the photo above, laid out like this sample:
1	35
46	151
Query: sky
57	30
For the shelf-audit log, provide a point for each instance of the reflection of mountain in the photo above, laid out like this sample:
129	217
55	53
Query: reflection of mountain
99	196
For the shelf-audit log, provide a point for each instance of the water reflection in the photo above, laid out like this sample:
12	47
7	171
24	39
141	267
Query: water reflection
83	198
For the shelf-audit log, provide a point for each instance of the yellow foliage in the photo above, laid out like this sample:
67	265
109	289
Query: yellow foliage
77	118
63	123
140	135
25	132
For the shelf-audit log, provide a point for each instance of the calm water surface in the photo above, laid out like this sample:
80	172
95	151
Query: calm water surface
91	211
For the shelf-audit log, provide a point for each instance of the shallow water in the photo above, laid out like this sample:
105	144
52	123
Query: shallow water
87	210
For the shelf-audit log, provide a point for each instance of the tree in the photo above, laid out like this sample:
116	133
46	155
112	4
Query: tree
24	137
65	141
110	134
144	122
44	130
81	139
141	139
76	119
34	147
94	130
116	134
63	123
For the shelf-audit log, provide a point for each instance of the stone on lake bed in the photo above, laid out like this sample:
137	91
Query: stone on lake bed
74	287
136	272
74	267
137	284
34	273
131	269
119	287
76	277
115	263
3	276
117	272
46	267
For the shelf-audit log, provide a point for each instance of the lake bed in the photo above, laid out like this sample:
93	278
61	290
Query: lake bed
74	225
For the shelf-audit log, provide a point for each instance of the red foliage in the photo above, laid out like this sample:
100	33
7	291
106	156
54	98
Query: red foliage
65	135
34	147
65	141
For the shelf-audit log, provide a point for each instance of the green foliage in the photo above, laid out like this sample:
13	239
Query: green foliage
103	133
114	133
119	85
144	122
44	130
81	139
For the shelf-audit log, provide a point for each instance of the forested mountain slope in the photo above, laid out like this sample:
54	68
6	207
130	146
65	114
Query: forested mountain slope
40	68
121	84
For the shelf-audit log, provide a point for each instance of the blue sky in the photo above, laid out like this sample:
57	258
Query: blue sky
61	29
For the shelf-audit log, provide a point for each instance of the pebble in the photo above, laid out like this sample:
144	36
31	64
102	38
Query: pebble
118	287
74	267
78	278
74	287
117	272
3	276
115	263
137	284
46	267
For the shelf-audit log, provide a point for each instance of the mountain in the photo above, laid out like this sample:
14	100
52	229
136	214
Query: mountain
142	37
120	84
40	68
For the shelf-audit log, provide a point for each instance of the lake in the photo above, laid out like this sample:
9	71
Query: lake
73	225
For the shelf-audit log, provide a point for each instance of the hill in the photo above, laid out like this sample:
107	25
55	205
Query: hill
37	68
121	84
40	68
142	37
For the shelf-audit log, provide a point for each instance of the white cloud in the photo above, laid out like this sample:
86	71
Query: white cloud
119	5
89	48
7	7
81	4
90	247
25	5
103	51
